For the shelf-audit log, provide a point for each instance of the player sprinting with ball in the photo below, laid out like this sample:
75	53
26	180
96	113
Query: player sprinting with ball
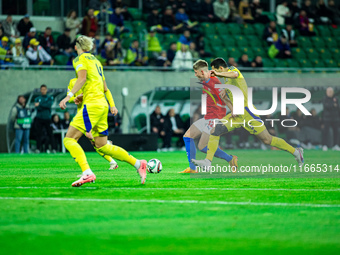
91	119
216	109
234	77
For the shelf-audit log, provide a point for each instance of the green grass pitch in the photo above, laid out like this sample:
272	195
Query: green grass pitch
40	213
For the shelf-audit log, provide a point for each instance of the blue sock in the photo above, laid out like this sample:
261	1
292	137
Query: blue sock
191	150
219	154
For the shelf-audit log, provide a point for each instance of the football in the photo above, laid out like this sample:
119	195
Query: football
154	166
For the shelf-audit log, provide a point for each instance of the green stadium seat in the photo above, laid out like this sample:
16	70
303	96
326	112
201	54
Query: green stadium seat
312	53
280	62
241	41
318	63
234	52
270	15
138	26
206	27
335	53
223	53
305	63
259	28
330	63
267	62
221	29
293	63
330	42
318	42
61	60
135	13
304	42
260	51
217	49
298	53
215	40
235	29
228	40
324	30
55	35
248	51
254	40
41	7
248	29
324	53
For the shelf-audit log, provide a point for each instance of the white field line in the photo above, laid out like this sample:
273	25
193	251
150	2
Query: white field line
169	201
179	188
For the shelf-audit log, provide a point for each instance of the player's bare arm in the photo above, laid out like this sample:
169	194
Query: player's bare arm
231	75
109	97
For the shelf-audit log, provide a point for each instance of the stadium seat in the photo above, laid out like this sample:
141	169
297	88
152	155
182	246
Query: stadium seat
248	51
267	62
223	53
259	51
270	15
324	53
298	53
241	41
323	30
140	121
135	13
330	42
206	27
228	41
259	28
318	42
217	49
216	41
254	40
138	26
304	42
305	63
293	63
234	52
318	63
221	29
248	29
55	35
61	60
280	62
335	53
235	29
312	53
330	63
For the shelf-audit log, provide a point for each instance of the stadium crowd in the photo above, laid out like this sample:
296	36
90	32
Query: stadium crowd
177	20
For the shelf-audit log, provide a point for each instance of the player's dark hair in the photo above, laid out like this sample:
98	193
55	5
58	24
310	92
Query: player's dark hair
43	86
217	62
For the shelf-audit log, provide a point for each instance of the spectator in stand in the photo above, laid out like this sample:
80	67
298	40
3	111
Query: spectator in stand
173	4
184	39
183	58
244	61
289	33
43	105
234	14
90	24
270	34
114	122
162	60
182	4
282	13
47	42
294	9
192	49
56	125
135	56
232	62
171	52
67	120
182	18
323	12
108	38
21	117
194	10
330	119
37	55
73	23
119	54
174	126
306	28
64	43
283	48
154	20
157	125
1	31
257	62
116	23
207	11
335	16
221	10
245	11
10	28
256	12
19	54
150	5
169	23
5	51
154	46
200	47
119	3
108	53
25	25
32	34
309	9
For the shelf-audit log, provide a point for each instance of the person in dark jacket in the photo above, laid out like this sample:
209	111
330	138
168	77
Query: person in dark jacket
174	126
24	25
43	105
157	126
21	116
330	119
64	43
47	41
207	11
283	48
56	125
154	20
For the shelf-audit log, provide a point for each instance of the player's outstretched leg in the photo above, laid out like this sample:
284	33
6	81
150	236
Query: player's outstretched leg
113	163
231	159
122	155
79	156
191	154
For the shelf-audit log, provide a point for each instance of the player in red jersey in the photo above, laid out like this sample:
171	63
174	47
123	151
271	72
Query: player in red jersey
216	108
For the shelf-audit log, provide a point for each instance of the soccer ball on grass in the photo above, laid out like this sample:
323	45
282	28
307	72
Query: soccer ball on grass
154	166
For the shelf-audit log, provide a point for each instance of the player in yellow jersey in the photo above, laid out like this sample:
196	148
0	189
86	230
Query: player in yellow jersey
91	119
234	77
113	163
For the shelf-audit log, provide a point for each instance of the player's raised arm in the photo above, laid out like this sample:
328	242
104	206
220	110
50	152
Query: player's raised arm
231	75
109	98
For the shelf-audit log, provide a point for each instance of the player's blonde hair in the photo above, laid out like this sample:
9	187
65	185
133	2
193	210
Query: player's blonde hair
200	64
85	43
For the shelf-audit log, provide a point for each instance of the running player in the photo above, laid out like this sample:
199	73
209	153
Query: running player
113	163
91	120
234	77
216	109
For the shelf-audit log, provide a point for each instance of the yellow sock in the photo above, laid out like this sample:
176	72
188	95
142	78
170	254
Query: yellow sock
107	157
282	144
76	152
212	146
118	153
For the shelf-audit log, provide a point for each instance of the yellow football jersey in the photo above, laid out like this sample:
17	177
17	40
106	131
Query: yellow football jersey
93	89
239	82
